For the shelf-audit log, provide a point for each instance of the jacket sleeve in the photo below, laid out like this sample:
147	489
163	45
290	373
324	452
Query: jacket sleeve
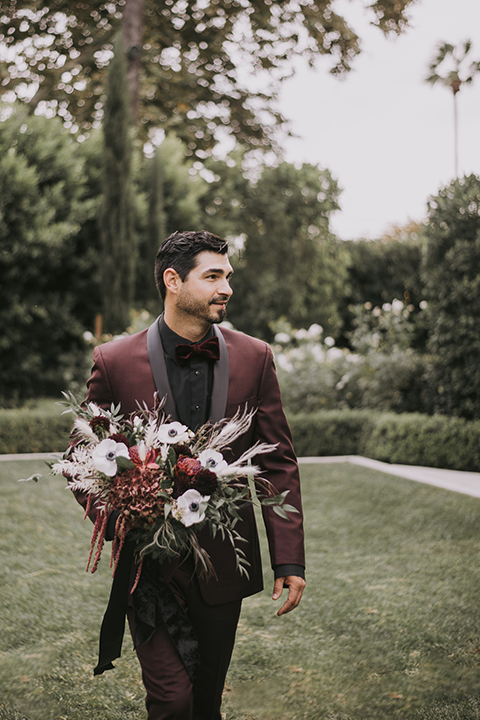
285	537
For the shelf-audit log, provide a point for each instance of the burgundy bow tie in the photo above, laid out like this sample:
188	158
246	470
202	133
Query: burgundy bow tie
207	349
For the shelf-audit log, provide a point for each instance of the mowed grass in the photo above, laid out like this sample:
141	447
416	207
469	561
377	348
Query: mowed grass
388	627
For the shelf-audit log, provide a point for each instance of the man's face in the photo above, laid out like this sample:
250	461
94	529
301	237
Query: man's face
206	290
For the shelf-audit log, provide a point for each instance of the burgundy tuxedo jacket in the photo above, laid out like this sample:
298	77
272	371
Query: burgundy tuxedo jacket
132	369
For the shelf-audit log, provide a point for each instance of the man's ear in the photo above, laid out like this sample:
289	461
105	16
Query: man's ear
172	280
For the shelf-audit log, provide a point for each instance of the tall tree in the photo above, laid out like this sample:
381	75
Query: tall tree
188	59
291	266
42	203
154	232
167	200
452	278
119	251
453	61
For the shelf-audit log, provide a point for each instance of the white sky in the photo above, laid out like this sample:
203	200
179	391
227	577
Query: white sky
385	135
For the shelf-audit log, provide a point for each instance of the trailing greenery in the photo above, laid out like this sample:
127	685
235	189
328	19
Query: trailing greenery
32	430
387	628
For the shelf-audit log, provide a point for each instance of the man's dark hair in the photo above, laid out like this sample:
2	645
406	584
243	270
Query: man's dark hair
180	250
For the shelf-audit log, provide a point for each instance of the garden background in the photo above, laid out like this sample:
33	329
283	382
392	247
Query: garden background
113	126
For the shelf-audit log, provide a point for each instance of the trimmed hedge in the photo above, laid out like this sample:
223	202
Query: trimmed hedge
40	429
331	432
406	439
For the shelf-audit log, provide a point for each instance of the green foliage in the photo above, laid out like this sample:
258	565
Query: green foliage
119	247
291	266
32	430
452	278
380	271
413	439
193	56
168	193
182	188
330	432
382	373
42	203
406	439
155	232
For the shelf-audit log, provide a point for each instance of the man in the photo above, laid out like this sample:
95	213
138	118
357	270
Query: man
193	273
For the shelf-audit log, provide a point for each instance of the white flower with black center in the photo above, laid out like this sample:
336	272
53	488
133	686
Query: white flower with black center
212	460
189	508
105	456
172	433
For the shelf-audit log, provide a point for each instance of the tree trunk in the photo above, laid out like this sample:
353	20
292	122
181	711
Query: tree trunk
132	38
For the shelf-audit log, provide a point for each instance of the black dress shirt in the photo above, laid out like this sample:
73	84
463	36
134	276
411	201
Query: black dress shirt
191	383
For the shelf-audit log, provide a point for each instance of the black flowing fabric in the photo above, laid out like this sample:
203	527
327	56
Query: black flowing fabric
113	624
154	604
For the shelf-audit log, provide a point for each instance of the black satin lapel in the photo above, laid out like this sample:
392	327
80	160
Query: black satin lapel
159	369
220	380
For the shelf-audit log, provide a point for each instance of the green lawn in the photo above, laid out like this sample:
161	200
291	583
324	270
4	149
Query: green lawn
388	628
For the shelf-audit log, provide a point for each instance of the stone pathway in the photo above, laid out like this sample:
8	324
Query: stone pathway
467	483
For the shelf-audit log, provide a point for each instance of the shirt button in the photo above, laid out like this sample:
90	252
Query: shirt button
197	372
197	407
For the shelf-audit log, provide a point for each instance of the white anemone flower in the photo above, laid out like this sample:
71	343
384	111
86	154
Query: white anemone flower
212	460
105	456
172	433
188	507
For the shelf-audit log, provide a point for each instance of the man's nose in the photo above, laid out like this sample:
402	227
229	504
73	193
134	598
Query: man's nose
224	288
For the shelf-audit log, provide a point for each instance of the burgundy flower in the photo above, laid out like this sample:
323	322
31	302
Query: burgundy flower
206	482
185	472
182	450
188	465
99	422
118	437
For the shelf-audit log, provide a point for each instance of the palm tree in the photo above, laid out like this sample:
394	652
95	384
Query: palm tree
456	74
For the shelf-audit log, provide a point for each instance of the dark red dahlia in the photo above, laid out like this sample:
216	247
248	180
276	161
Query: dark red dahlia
185	472
206	482
99	422
118	437
182	450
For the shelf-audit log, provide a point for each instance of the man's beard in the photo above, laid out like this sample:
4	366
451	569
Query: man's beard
202	310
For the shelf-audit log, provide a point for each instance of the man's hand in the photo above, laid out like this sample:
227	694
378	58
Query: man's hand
295	590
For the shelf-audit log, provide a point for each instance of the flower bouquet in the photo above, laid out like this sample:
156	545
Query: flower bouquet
163	481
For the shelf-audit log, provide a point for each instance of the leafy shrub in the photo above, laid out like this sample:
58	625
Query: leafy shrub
382	373
406	439
414	439
41	429
331	432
